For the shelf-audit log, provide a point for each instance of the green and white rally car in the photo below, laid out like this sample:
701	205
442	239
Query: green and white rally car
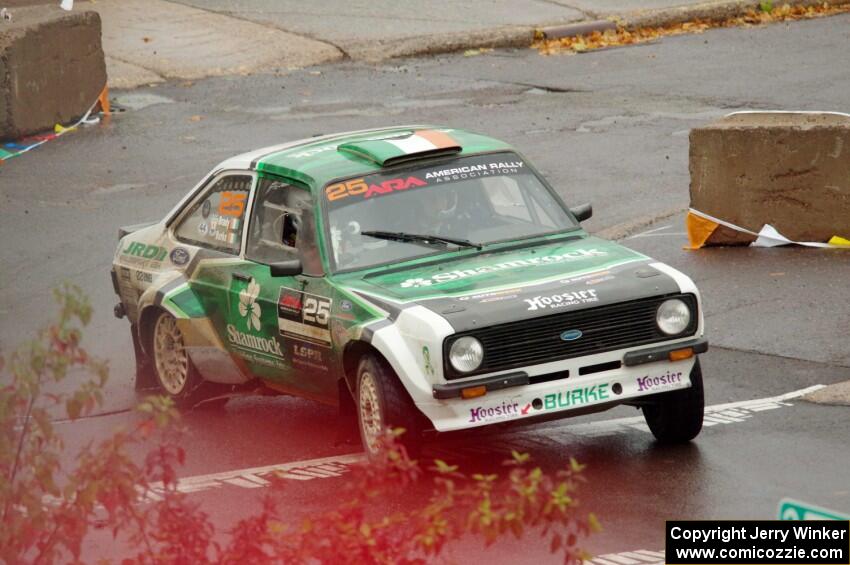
428	277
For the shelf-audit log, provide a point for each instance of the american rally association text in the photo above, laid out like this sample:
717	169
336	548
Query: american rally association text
755	532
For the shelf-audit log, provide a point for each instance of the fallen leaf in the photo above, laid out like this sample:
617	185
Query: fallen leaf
766	13
196	118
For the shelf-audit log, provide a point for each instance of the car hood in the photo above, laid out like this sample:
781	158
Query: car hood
507	285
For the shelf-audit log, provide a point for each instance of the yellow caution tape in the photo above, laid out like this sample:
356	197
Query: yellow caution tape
699	230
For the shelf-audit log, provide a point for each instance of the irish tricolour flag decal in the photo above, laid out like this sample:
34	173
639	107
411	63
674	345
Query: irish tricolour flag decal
423	140
383	150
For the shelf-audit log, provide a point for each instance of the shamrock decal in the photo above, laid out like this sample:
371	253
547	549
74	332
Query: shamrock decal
248	307
415	282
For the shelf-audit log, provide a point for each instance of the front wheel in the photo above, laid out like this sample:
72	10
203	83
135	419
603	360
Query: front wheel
174	372
676	417
382	403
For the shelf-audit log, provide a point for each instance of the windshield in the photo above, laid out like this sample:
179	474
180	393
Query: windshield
480	199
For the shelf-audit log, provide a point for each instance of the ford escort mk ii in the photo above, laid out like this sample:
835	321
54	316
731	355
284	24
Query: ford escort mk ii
418	277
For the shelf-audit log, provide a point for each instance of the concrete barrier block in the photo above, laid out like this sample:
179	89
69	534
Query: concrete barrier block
787	169
51	68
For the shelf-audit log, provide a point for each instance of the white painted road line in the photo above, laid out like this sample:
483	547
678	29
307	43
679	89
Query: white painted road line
635	557
253	478
334	466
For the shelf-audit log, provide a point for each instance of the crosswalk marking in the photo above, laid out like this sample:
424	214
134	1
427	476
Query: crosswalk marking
655	554
634	557
337	465
619	558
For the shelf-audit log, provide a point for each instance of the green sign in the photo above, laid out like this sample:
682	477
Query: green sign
795	510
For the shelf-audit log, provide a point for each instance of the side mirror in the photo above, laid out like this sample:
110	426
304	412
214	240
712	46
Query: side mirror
286	268
582	212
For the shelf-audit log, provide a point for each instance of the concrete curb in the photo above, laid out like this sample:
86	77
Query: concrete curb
706	11
499	37
576	29
523	36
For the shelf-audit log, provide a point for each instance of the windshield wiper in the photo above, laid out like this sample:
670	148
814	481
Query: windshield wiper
401	236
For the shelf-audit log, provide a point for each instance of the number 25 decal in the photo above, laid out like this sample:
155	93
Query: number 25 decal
232	204
316	311
343	189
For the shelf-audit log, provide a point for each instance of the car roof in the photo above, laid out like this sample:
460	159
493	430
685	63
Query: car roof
318	160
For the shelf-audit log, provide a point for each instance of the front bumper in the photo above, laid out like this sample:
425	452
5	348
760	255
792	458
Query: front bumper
521	378
518	395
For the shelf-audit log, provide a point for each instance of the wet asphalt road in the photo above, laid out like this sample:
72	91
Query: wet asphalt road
608	127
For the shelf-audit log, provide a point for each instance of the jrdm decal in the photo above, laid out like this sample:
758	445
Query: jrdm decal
659	382
576	397
304	316
152	252
441	278
562	299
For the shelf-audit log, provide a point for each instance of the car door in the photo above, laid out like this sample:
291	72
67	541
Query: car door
282	229
227	341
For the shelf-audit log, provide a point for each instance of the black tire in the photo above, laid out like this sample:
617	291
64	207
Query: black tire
377	382
145	377
676	417
184	392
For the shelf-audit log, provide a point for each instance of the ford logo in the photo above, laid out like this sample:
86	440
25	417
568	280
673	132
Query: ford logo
571	335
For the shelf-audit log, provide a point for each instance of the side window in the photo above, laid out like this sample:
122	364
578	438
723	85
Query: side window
506	198
282	226
215	220
544	216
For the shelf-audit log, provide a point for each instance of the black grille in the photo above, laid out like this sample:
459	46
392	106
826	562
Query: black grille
538	340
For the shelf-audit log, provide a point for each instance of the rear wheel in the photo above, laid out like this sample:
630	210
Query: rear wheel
676	417
174	372
382	403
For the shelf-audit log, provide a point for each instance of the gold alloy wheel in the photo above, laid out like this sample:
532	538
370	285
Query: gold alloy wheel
371	419
172	362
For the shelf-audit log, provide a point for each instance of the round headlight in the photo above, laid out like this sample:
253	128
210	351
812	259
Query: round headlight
466	354
673	316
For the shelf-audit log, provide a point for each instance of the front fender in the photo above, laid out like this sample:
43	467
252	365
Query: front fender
412	344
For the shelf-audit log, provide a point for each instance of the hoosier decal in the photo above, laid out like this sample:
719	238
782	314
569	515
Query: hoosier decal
304	316
562	299
504	411
670	379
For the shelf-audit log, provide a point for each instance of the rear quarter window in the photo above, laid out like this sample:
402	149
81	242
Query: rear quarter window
215	220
